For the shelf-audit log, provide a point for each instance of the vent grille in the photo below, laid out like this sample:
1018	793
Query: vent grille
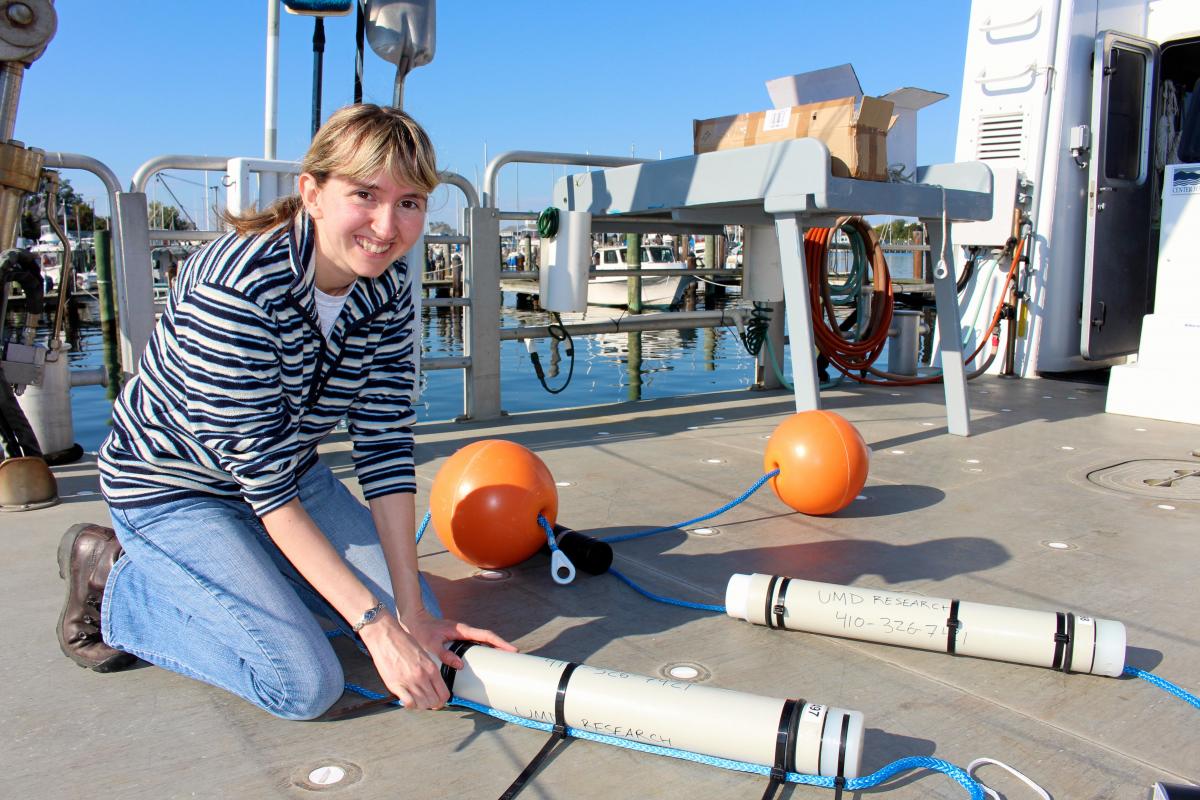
1001	138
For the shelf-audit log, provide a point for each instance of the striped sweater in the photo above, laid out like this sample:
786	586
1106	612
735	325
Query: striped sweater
237	385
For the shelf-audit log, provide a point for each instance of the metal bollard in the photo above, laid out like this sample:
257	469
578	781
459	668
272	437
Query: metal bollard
904	341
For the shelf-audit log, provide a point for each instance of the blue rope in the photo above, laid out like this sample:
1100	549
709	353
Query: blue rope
953	771
645	593
1165	685
853	784
424	524
625	537
549	529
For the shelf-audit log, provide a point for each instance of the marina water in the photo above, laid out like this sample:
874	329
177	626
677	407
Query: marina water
609	368
670	363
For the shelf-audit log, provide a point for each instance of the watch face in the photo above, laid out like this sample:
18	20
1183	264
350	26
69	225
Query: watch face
368	617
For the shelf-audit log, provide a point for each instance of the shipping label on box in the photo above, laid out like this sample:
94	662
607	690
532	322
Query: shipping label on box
853	128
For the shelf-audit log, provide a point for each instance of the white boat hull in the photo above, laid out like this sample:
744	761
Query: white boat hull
657	290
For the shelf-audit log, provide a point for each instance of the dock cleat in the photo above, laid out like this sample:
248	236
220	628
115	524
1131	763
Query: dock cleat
86	554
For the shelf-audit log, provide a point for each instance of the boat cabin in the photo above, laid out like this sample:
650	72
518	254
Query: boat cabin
654	255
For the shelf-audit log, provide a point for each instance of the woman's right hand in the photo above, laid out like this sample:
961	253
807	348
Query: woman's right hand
406	669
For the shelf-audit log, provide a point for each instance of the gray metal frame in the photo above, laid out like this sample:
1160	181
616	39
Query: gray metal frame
491	173
789	184
481	389
131	245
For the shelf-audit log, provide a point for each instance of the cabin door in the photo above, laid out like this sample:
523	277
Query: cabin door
1117	251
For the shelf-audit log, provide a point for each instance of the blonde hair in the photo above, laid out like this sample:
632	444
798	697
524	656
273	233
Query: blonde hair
357	142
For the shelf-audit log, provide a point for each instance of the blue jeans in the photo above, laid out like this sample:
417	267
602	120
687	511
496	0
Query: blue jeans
203	591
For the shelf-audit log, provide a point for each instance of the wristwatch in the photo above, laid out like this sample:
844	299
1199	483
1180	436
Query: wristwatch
369	616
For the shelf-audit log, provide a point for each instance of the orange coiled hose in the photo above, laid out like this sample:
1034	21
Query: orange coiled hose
847	354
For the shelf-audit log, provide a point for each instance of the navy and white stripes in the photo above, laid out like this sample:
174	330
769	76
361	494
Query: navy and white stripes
237	385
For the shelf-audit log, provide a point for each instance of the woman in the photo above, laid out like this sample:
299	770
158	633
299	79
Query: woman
231	529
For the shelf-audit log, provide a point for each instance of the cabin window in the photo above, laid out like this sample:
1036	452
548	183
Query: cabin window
610	256
1123	122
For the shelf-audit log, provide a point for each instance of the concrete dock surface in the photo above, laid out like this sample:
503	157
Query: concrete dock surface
972	518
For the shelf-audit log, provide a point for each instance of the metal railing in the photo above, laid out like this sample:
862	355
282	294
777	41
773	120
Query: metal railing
131	244
492	171
481	271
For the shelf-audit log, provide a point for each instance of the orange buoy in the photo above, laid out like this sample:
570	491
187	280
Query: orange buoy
822	462
485	503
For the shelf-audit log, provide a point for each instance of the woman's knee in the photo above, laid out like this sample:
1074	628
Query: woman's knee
310	686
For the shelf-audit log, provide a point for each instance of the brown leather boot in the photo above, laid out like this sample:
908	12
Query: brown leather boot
86	555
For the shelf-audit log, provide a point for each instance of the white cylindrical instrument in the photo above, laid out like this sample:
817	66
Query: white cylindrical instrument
564	264
762	275
795	735
1056	639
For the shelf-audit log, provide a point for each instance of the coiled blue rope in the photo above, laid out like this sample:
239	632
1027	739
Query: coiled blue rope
625	537
1165	685
853	784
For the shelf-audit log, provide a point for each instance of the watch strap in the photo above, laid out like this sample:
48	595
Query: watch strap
368	616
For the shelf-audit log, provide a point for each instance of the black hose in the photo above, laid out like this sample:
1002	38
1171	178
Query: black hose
1012	312
756	328
968	271
20	267
558	332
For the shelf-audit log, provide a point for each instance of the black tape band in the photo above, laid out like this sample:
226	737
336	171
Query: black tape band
1095	629
779	608
790	763
769	601
784	734
1060	633
952	625
560	700
449	673
1064	639
840	782
559	733
1069	656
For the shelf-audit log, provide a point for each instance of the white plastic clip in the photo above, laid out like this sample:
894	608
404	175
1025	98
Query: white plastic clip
942	269
561	568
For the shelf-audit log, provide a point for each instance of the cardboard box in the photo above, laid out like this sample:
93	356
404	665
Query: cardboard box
853	128
865	135
902	135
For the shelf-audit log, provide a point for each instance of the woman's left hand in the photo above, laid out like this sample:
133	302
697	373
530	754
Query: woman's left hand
432	633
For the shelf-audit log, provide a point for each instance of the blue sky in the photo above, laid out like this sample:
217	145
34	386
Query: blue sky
126	81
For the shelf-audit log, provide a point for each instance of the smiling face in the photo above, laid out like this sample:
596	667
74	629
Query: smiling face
362	227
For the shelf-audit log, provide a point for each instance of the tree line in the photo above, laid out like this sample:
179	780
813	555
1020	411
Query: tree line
80	216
